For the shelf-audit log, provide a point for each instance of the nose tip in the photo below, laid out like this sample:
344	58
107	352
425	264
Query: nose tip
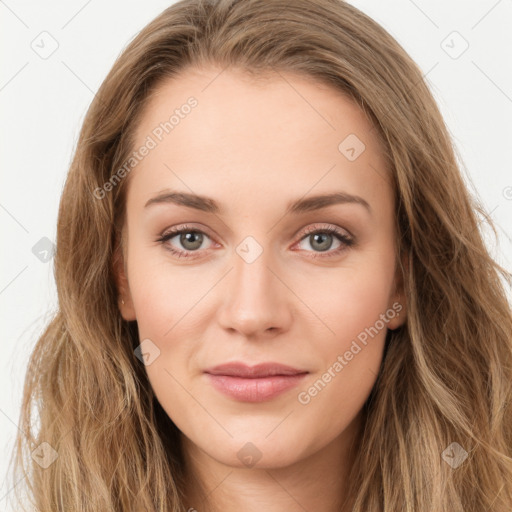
255	300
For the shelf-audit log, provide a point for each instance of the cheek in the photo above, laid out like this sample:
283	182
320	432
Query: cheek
168	302
356	310
163	293
351	358
164	299
349	300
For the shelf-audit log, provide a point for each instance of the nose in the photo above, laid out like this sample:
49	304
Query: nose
257	302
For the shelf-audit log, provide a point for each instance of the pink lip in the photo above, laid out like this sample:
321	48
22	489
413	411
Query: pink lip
254	383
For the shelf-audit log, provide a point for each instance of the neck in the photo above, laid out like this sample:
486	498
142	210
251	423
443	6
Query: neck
317	482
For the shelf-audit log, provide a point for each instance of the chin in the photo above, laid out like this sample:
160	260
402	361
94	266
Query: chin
256	450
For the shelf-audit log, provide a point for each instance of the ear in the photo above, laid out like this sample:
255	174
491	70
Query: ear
125	302
398	299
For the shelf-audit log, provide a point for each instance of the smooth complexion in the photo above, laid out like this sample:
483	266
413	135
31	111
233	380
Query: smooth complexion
255	148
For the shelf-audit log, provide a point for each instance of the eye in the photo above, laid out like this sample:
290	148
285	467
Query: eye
190	239
321	240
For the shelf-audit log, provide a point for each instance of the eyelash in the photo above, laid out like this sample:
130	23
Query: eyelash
345	240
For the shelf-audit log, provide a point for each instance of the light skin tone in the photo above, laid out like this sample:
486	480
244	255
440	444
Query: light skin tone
254	148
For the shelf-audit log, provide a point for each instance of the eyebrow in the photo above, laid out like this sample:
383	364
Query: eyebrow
209	205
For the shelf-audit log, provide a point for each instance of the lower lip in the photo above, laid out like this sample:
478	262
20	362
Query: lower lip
255	389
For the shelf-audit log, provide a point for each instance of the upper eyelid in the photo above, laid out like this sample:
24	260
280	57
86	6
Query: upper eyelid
305	231
329	227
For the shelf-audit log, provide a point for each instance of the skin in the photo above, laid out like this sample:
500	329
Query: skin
254	147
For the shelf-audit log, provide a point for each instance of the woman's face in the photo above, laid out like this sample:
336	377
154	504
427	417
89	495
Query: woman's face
265	270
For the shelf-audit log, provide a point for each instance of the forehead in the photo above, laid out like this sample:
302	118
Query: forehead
257	134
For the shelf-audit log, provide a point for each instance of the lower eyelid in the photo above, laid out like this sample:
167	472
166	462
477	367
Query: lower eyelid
345	240
344	243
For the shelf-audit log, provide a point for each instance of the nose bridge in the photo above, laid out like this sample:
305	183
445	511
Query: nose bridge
256	299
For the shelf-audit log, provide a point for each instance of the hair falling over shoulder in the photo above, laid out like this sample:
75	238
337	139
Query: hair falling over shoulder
447	373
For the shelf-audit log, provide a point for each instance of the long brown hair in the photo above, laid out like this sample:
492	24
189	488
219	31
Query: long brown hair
447	373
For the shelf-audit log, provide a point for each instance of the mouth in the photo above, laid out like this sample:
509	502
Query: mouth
254	383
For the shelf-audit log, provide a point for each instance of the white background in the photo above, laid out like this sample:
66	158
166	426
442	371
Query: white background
43	103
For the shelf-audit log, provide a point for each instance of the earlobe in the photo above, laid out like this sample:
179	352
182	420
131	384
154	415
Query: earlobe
397	313
127	310
398	305
125	302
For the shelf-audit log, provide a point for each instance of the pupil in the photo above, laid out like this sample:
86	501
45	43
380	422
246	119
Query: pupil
188	238
323	246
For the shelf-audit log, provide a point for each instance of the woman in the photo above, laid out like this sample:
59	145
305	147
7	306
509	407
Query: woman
207	353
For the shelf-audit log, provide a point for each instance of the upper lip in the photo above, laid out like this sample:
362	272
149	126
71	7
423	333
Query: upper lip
237	369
